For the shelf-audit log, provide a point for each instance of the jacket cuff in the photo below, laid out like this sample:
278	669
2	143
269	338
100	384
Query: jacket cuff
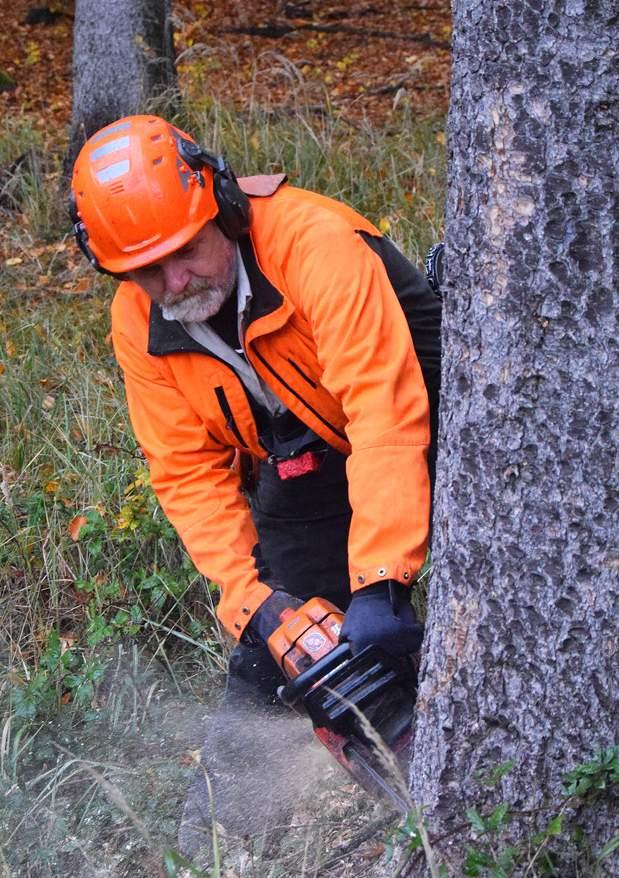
235	617
401	572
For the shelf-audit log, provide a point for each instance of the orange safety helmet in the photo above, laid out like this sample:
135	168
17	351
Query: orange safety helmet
142	188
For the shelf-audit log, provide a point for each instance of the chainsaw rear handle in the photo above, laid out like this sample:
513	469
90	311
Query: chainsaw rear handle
296	689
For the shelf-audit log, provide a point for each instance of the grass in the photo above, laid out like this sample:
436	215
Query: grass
107	632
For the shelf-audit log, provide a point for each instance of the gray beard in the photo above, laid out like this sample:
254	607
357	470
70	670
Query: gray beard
201	306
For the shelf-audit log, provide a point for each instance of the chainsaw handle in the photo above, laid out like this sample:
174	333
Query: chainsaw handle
297	688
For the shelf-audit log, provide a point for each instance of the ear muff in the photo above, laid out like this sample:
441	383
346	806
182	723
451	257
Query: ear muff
233	217
81	237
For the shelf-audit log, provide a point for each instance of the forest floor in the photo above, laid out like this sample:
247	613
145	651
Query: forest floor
353	58
96	758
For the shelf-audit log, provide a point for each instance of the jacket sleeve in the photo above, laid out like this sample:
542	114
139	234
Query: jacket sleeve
193	479
364	347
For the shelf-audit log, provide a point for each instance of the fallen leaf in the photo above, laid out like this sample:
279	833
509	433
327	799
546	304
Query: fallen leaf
48	402
75	526
83	285
375	851
51	487
66	642
14	260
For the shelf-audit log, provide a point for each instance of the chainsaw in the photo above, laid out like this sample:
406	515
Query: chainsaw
350	699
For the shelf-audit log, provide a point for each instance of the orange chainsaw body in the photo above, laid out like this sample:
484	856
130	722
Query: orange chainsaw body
305	635
334	687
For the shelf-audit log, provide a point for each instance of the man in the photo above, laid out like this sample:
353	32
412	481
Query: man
260	319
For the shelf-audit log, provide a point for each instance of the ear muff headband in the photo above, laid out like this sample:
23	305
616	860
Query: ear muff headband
232	203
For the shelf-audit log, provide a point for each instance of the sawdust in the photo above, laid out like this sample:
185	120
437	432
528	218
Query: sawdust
106	797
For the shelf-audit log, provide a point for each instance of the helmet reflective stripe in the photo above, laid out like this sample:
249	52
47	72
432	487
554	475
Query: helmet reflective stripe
111	129
107	148
118	169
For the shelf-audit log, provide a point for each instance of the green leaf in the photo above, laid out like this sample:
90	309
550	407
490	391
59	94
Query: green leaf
476	820
499	817
492	778
546	863
583	785
408	833
608	849
172	859
120	619
508	857
476	862
555	827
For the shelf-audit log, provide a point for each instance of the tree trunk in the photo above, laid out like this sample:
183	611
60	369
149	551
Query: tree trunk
522	643
123	57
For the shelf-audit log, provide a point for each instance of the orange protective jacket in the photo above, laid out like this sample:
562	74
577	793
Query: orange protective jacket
329	336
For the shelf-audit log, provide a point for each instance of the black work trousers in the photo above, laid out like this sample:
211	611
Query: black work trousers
303	526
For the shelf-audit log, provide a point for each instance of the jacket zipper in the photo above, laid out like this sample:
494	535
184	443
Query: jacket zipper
224	405
299	397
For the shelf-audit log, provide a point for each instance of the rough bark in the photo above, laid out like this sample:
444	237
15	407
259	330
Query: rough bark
522	645
123	58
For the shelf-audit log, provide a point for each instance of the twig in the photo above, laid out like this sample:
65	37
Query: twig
107	446
546	838
277	30
389	87
375	10
367	832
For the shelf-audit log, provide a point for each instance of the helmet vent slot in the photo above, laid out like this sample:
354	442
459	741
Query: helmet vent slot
158	160
116	188
156	137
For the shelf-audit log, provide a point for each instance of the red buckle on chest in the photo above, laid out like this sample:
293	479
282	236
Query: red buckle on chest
308	462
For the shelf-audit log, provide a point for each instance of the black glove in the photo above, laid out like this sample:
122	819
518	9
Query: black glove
267	617
381	615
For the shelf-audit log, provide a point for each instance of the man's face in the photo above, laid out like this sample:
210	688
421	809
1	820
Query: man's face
193	282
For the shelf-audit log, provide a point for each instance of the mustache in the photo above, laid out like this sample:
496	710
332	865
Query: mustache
195	286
